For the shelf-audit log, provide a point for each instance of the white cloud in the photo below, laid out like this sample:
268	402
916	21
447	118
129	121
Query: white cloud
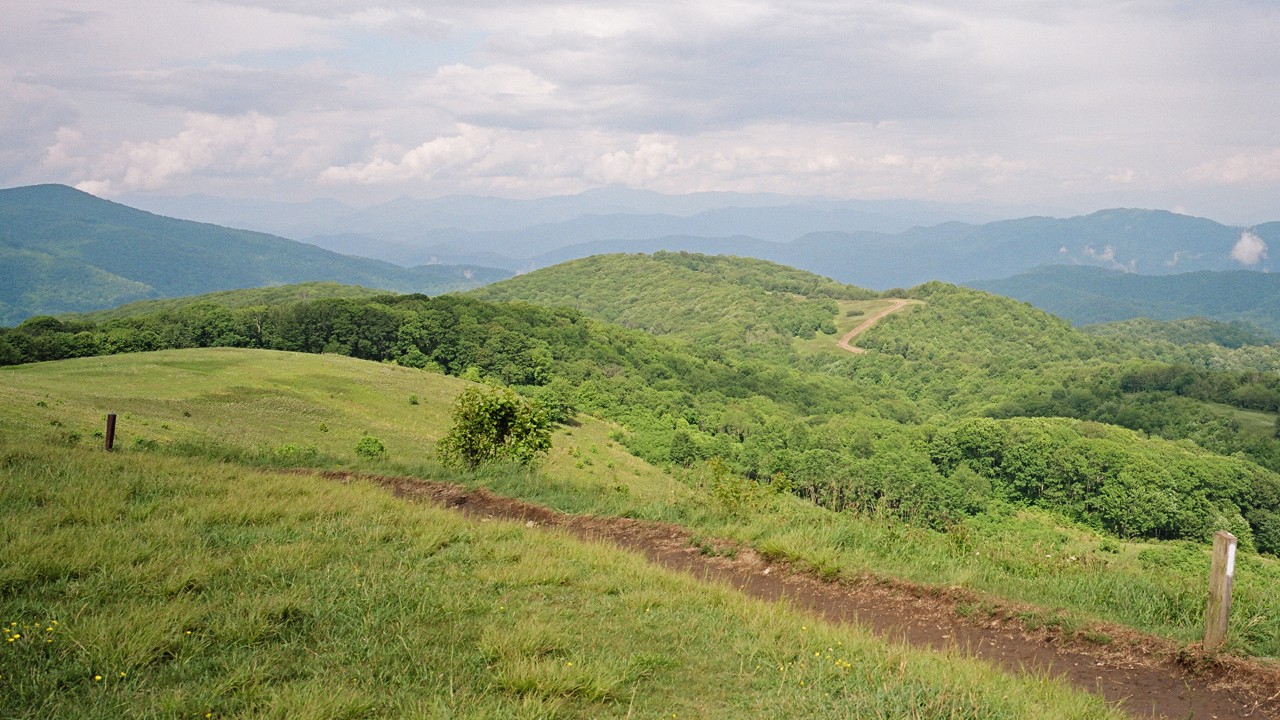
208	143
1106	255
651	158
67	150
775	158
232	89
425	162
984	100
30	115
503	95
1249	250
1261	165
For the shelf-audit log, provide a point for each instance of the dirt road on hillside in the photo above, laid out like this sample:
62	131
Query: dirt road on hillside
1147	677
869	322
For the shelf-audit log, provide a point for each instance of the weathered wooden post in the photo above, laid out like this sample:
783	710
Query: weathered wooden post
111	431
1221	576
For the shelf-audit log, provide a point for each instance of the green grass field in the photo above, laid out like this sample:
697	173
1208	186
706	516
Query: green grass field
821	343
1254	422
279	409
282	409
245	297
140	585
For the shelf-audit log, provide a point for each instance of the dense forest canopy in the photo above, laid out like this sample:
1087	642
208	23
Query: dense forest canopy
965	403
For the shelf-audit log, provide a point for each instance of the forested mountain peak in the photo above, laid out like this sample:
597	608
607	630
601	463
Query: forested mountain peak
63	250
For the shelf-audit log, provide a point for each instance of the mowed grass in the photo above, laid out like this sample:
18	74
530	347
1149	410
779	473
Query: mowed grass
142	585
1254	422
285	409
821	343
246	405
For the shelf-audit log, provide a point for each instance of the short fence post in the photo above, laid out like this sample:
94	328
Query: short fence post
111	432
1221	576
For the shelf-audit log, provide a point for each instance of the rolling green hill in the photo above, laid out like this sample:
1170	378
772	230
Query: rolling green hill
1087	295
720	301
233	299
62	250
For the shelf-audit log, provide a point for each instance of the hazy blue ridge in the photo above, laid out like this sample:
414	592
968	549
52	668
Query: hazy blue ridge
62	250
1087	295
1142	241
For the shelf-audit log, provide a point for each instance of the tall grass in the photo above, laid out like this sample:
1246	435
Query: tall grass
266	409
139	585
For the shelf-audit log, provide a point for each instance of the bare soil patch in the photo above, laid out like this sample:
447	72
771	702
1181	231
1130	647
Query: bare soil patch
865	325
1144	675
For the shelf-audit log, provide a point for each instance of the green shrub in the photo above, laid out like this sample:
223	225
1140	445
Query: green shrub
370	448
494	424
290	455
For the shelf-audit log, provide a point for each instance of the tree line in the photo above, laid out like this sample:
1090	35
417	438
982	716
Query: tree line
854	434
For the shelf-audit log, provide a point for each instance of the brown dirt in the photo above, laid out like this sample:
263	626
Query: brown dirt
871	320
1143	675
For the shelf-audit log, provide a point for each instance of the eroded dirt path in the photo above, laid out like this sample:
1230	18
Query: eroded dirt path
1147	677
865	325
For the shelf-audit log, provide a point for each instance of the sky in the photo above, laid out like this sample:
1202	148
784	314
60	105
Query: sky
1077	104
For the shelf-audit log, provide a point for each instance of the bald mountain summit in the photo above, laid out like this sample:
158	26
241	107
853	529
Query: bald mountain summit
62	250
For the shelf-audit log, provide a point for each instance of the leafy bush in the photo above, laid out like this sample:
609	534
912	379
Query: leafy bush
492	424
1114	479
291	455
370	448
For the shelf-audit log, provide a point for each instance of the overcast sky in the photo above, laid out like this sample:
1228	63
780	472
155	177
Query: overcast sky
1079	104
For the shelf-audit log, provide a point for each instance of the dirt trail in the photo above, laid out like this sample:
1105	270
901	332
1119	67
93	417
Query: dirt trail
1147	677
872	320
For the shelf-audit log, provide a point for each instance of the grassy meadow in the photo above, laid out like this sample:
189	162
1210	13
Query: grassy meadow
851	314
1254	422
137	584
259	408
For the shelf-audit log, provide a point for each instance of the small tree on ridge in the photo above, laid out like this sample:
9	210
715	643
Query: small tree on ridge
493	425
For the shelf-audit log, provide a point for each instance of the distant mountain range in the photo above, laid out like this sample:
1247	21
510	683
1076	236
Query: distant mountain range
622	213
871	244
1087	295
62	250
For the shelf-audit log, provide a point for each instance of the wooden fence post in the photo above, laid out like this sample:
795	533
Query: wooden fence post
1221	576
111	432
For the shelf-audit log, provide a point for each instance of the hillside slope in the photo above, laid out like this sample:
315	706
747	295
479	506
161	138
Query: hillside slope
715	300
62	250
168	578
251	407
1086	295
232	299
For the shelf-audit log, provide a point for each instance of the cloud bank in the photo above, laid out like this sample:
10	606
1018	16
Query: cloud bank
1078	102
